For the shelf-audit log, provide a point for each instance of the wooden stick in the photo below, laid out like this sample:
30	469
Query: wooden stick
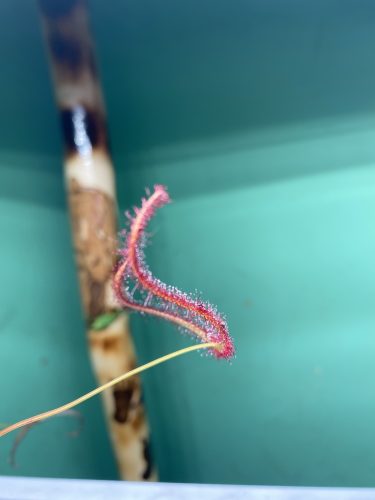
91	194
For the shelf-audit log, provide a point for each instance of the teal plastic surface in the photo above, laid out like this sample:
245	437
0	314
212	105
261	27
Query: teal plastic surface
260	118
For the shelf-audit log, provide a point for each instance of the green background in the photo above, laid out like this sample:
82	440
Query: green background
260	118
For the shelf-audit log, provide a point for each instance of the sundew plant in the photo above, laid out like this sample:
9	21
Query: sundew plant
138	290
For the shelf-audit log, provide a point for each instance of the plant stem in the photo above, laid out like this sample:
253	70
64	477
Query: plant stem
98	390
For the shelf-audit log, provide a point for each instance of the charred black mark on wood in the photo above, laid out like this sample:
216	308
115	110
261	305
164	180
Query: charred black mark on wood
66	51
57	8
83	130
122	404
68	129
147	457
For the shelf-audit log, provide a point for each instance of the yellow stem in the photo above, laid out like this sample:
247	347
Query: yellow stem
98	390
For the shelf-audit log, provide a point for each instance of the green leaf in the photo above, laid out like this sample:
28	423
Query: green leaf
104	320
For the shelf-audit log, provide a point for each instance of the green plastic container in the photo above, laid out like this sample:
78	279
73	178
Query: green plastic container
259	116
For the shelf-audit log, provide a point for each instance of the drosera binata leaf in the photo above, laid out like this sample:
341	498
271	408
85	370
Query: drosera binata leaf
164	301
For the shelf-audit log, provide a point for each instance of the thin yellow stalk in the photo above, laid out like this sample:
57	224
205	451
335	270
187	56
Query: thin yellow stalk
98	390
